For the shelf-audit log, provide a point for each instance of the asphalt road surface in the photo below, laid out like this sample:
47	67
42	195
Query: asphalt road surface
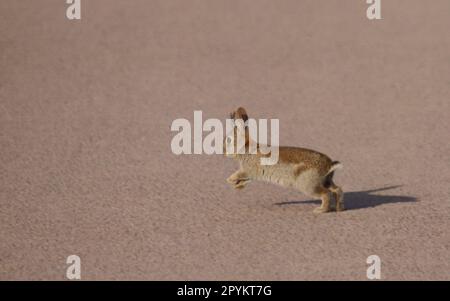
86	166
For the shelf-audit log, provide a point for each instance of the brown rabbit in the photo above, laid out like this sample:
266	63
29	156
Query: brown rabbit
303	169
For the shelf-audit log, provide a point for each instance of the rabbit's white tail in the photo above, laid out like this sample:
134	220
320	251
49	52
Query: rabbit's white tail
335	165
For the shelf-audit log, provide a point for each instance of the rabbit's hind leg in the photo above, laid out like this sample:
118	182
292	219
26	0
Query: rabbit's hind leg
338	195
324	194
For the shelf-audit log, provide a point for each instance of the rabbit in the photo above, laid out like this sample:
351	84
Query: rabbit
303	169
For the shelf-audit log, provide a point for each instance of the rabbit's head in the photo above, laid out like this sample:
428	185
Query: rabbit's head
237	138
240	113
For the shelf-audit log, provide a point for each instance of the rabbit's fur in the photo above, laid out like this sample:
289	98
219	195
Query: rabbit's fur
303	169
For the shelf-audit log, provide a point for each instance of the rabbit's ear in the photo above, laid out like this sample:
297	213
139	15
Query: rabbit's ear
241	113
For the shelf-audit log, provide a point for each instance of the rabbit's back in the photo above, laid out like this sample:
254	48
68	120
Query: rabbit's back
305	157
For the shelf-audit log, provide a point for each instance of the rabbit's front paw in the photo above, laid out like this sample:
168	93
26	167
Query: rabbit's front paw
239	179
241	183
